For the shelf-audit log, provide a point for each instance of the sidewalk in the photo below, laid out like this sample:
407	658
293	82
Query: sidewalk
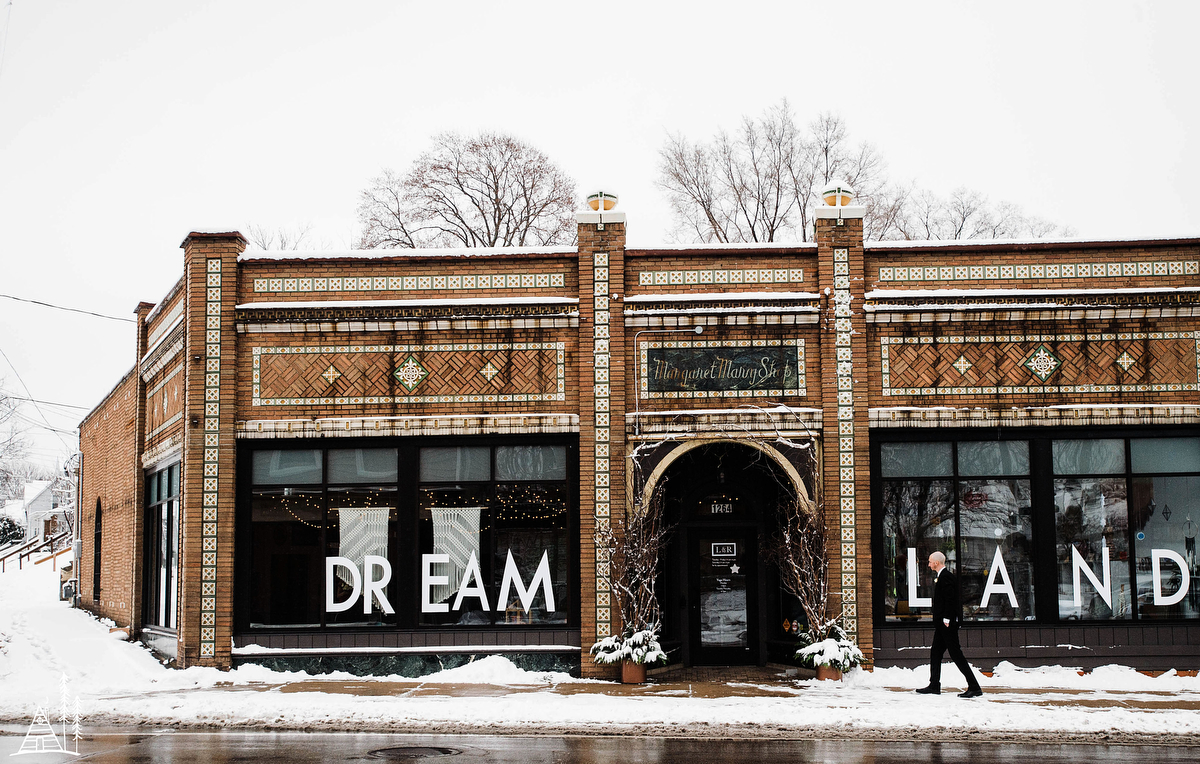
119	683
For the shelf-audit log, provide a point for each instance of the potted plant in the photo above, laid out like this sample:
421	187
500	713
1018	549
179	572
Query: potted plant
633	549
634	650
829	651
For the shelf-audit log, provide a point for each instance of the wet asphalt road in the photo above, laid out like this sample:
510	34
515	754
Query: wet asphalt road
153	746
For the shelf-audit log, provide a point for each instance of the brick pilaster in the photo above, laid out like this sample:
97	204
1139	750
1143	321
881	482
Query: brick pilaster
601	420
208	494
138	509
846	479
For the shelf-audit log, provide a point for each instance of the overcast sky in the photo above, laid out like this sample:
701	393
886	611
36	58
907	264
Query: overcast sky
125	124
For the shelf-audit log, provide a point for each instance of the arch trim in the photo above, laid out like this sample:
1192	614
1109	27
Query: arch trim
653	479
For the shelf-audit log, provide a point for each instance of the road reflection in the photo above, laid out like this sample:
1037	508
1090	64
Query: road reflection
119	746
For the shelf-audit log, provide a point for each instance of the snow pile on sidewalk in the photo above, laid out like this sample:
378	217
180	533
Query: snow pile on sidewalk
42	639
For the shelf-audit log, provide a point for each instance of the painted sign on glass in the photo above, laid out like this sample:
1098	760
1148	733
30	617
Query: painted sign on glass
756	367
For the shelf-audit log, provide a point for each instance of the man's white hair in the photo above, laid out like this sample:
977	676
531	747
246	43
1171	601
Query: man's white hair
938	557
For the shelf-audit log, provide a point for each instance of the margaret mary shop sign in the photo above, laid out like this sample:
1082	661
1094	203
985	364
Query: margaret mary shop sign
999	583
717	368
376	573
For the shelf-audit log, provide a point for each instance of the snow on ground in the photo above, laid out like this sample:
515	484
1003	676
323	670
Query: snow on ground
122	683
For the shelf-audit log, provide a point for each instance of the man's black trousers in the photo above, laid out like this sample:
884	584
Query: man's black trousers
946	640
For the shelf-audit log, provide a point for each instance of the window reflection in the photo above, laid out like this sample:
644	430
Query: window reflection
996	529
1091	525
1165	512
918	514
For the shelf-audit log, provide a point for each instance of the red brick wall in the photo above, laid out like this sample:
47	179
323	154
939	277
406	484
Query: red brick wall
112	476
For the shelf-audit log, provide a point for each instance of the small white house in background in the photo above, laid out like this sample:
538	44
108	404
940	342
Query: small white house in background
38	511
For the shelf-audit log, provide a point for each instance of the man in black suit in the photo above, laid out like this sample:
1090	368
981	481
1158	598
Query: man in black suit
947	615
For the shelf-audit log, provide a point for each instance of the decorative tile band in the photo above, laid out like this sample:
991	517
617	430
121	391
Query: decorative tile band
1040	271
1043	362
743	276
801	388
290	284
602	395
410	373
212	426
843	331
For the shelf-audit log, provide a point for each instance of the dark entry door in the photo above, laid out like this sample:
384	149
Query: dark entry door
723	584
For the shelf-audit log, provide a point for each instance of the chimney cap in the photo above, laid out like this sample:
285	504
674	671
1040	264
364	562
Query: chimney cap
837	193
602	201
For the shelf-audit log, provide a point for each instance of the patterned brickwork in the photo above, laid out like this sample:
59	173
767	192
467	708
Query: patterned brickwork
846	479
1023	364
602	448
461	372
164	403
722	277
208	466
601	431
1054	274
340	285
210	497
328	279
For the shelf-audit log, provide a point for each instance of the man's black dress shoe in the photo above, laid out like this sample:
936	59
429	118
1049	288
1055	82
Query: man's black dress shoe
932	689
973	692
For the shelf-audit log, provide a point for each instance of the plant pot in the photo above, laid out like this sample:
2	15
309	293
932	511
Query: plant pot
633	673
829	672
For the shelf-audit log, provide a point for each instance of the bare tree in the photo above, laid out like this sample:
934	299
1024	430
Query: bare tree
738	189
633	551
281	238
12	448
967	214
798	549
481	191
826	155
762	183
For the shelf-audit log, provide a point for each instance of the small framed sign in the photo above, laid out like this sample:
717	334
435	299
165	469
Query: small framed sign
727	549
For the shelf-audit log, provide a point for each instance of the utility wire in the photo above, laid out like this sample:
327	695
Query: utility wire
41	426
73	310
39	408
45	403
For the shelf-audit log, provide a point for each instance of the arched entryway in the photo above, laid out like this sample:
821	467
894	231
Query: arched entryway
721	601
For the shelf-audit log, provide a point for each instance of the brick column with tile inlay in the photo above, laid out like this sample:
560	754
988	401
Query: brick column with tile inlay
208	486
846	479
601	420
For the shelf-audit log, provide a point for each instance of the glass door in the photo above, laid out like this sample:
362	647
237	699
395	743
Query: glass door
723	602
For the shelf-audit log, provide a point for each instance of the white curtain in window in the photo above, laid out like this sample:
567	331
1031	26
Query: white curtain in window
456	534
362	532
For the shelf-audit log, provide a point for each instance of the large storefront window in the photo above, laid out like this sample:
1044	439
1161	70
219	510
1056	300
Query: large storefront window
162	548
403	537
494	542
970	501
1166	509
1090	528
1091	522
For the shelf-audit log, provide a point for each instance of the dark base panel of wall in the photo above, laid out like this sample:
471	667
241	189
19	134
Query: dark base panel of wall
406	664
340	640
1145	647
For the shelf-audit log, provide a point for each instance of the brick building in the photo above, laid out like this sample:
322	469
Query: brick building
386	460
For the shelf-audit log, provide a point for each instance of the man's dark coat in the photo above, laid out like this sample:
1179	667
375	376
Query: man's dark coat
945	638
